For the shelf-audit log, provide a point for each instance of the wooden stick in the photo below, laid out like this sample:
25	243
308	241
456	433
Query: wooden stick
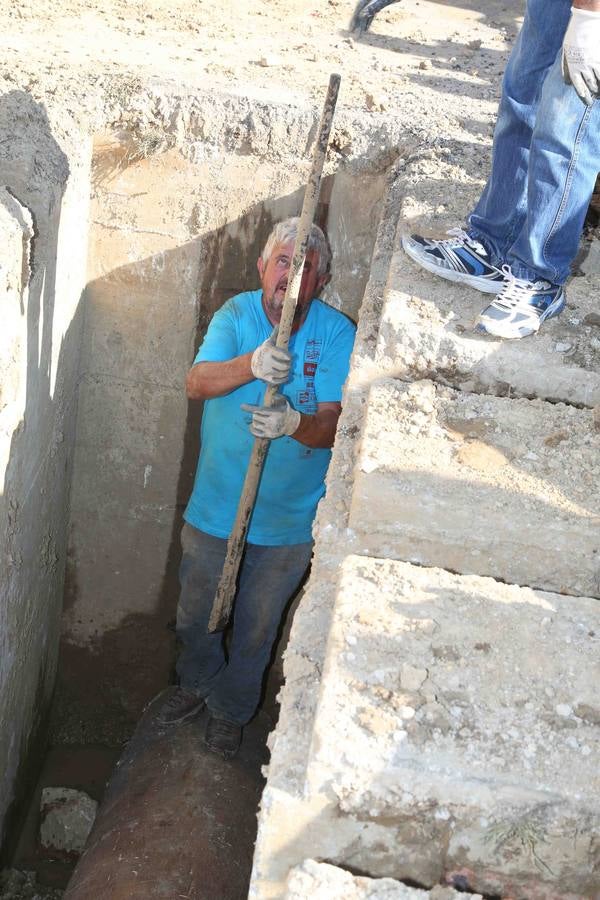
226	590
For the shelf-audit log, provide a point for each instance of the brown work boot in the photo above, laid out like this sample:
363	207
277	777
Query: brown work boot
223	737
182	706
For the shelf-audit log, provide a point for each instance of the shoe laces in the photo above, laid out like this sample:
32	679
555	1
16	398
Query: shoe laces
517	291
459	237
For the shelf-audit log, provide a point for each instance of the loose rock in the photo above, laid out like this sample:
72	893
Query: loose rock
67	819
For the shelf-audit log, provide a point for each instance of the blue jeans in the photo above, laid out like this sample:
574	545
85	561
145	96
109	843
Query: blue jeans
231	679
546	156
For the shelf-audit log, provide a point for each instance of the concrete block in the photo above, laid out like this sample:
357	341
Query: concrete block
465	780
67	819
16	227
116	577
124	501
43	224
321	881
480	484
142	327
129	448
426	332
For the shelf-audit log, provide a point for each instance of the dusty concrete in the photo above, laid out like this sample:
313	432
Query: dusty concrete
437	749
446	478
44	230
321	881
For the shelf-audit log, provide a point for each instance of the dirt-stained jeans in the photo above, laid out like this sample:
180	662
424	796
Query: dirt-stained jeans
231	680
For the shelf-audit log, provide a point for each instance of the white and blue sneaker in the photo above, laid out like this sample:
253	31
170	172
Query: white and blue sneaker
459	258
521	307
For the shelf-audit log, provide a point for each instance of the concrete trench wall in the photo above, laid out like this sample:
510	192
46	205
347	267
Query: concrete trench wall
44	201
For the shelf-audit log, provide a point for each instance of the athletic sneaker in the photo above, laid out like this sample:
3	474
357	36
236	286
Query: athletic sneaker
521	307
182	706
459	258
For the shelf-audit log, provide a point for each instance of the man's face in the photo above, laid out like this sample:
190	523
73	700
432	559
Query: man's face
274	279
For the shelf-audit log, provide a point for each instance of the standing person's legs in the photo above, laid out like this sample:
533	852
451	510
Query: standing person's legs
202	655
269	577
475	257
501	212
564	162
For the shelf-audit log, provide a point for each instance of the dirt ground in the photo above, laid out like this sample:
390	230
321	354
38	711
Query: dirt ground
259	45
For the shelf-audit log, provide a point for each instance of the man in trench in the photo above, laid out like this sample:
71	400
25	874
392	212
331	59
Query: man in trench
235	363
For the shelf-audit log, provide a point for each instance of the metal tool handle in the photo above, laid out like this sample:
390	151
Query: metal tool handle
226	589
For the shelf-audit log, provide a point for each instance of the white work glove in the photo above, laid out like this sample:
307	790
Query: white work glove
273	421
581	54
270	363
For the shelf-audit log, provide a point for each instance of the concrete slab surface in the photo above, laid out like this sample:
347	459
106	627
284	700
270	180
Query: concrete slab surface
480	484
456	740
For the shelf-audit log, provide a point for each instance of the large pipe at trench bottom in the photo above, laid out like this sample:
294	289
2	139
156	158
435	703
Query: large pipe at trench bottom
225	594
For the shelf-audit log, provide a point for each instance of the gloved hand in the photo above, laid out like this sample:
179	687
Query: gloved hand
270	363
273	421
581	54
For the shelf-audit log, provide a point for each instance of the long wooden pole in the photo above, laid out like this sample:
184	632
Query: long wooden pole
225	594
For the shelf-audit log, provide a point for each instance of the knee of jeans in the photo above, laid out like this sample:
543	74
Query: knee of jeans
259	639
190	620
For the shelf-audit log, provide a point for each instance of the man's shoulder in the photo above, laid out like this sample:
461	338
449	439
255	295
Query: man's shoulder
240	306
334	318
245	301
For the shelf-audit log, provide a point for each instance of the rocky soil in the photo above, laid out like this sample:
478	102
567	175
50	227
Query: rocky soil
258	45
18	885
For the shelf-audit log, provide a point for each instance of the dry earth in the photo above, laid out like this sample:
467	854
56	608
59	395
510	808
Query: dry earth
260	45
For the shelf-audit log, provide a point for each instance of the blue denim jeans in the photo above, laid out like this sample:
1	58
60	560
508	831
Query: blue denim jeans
231	679
546	156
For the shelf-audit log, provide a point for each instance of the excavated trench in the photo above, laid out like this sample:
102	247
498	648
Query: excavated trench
168	239
118	251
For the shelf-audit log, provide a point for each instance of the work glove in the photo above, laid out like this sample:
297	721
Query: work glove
270	363
273	421
581	54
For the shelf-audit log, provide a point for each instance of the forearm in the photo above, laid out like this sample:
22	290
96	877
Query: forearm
317	431
214	379
589	5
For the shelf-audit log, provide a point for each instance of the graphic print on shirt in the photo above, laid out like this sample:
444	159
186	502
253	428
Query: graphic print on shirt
306	398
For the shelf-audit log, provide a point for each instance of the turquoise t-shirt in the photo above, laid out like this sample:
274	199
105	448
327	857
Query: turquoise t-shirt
293	478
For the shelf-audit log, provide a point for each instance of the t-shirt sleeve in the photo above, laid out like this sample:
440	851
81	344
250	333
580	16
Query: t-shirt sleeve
221	339
334	366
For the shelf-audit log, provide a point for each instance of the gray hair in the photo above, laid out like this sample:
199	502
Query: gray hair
286	231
